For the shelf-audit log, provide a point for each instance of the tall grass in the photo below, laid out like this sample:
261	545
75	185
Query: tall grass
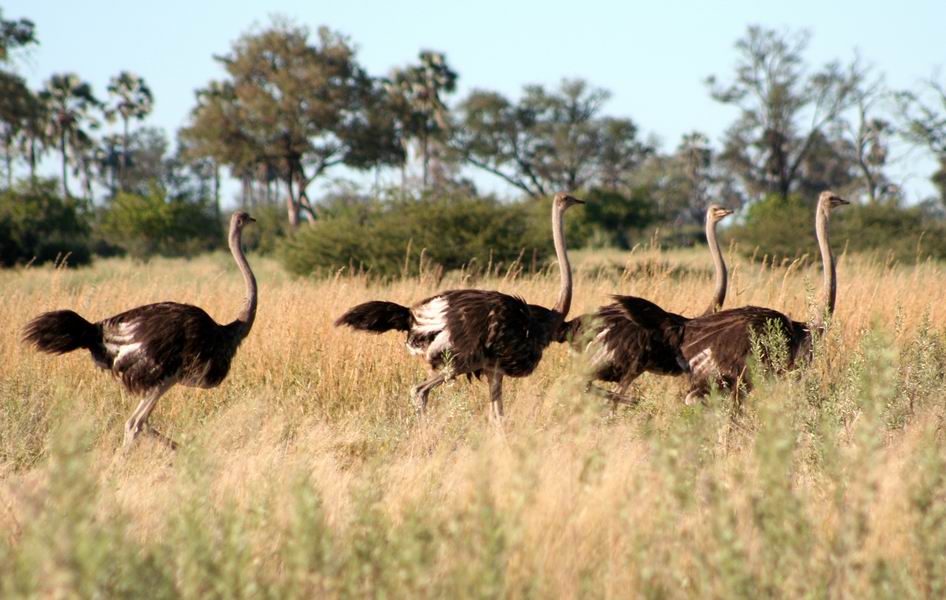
306	474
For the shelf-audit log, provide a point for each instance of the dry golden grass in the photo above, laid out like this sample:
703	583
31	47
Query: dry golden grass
306	474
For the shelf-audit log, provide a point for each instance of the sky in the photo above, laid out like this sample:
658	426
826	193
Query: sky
653	56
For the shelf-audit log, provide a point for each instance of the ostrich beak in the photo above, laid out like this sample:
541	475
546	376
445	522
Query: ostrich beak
250	219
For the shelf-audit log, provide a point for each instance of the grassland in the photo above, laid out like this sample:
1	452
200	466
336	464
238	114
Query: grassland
306	474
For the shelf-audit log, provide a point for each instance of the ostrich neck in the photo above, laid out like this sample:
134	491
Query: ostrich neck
722	275
827	263
565	269
248	313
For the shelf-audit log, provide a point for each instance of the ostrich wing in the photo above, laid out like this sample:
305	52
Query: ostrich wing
650	330
152	344
489	328
720	343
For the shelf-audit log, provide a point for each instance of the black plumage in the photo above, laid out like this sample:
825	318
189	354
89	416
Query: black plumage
632	336
150	348
717	347
627	338
475	332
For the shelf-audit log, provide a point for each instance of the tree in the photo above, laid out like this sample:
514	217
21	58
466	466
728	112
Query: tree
19	107
131	99
148	149
783	108
193	170
15	34
923	116
867	137
680	185
69	102
297	107
829	163
108	158
417	98
548	140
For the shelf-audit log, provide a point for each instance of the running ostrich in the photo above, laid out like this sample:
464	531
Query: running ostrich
717	346
475	332
150	348
632	336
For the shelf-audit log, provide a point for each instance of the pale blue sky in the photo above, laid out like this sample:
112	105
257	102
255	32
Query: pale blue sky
653	56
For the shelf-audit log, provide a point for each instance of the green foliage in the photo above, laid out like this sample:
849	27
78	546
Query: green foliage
549	141
407	236
270	228
614	219
39	226
15	34
775	146
154	224
784	228
295	105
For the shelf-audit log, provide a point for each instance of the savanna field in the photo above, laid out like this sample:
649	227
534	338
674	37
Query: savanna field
306	473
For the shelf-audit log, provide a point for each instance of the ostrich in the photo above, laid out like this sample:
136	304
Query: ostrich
631	335
717	346
475	332
152	347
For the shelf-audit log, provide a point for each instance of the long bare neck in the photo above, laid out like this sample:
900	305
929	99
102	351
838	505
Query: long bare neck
565	269
248	313
829	293
722	275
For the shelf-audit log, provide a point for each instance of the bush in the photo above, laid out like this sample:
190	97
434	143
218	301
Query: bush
617	220
390	238
784	228
272	225
153	224
38	226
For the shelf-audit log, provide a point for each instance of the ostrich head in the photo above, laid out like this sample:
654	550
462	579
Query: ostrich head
563	201
240	218
716	213
828	200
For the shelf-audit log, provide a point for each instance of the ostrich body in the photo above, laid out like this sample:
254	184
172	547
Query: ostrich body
475	332
150	348
716	347
632	336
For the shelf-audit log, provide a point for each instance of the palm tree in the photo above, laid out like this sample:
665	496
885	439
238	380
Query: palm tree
69	102
108	160
132	100
18	106
32	138
417	92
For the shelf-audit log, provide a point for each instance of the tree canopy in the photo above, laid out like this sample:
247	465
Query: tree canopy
785	109
548	140
295	105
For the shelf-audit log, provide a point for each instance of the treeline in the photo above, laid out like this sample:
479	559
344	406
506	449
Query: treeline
294	106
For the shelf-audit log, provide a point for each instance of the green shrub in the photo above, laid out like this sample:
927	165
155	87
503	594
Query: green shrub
38	226
154	224
271	226
617	220
784	228
406	236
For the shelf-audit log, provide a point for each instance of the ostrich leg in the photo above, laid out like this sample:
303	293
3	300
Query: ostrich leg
139	418
496	396
421	391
